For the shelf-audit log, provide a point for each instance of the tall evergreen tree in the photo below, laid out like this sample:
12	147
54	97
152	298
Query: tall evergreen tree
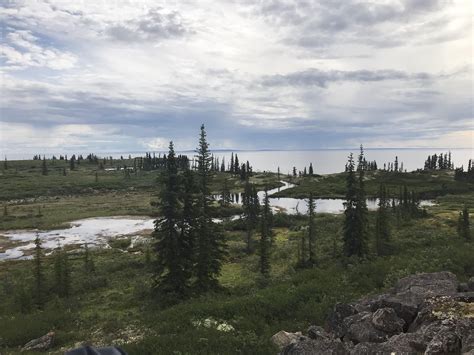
382	226
265	237
169	275
355	213
251	207
72	163
38	273
210	244
89	266
225	199
44	168
310	170
311	230
361	208
464	228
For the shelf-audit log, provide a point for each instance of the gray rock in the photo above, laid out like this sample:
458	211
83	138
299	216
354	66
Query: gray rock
360	329
335	320
463	287
320	346
421	286
283	339
387	321
446	341
40	344
316	332
403	305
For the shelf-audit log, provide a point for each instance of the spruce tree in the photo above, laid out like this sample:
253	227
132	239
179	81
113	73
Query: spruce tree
355	213
89	267
382	227
310	170
464	228
311	230
225	199
210	244
169	275
251	207
38	273
361	209
265	237
44	168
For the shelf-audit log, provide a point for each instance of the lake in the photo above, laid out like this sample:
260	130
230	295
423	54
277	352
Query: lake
325	161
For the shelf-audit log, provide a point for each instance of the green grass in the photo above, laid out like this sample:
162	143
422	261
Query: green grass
428	184
46	202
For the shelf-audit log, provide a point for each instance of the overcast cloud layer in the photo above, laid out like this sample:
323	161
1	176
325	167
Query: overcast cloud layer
123	75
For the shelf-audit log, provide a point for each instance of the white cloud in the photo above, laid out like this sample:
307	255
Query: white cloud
154	71
21	50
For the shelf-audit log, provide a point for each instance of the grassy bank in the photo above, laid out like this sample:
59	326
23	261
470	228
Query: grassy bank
427	184
34	200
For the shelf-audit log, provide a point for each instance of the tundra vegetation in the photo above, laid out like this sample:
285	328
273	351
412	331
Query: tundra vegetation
198	286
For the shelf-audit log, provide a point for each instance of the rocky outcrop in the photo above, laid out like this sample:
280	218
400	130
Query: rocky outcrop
427	313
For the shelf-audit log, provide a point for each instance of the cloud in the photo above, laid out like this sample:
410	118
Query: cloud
321	78
267	74
157	143
21	50
321	24
153	26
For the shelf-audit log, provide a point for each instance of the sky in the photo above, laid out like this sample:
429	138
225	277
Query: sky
131	75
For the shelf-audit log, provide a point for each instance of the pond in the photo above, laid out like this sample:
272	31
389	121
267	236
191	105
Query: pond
97	231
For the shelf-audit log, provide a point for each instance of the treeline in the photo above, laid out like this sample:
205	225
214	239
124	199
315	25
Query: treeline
243	170
439	162
304	172
461	175
394	166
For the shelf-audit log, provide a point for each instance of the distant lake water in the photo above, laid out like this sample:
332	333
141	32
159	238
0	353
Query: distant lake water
325	161
333	161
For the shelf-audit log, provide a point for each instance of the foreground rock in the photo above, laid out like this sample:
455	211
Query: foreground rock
422	314
41	344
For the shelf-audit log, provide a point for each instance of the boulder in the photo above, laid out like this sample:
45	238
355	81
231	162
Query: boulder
445	341
316	332
387	321
403	305
283	339
40	344
420	286
320	346
360	329
335	320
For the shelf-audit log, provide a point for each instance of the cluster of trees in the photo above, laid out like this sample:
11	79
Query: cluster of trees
356	225
153	162
461	175
367	165
234	167
394	166
57	281
189	245
355	229
306	171
439	162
